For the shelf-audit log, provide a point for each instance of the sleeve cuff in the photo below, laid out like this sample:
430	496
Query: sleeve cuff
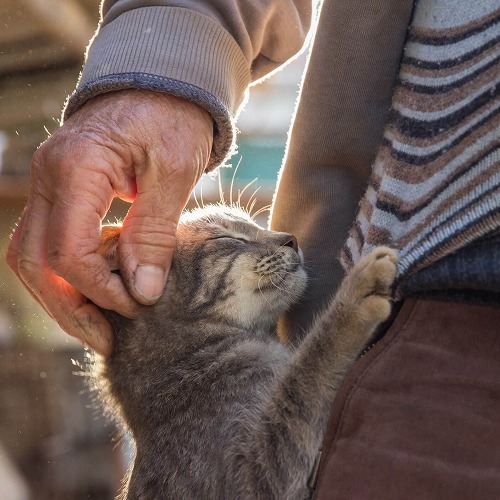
172	50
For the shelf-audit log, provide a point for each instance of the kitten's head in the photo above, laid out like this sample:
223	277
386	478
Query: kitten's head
227	265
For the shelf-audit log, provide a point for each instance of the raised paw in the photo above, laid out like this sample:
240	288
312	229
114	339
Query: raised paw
367	288
375	273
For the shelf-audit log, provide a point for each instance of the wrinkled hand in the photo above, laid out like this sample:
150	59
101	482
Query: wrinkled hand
144	147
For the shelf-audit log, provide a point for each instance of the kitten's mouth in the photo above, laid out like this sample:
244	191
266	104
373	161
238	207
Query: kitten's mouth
282	279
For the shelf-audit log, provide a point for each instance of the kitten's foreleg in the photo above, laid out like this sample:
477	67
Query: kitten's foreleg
281	451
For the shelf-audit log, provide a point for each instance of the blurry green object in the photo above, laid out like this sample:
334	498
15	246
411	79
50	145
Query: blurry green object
257	157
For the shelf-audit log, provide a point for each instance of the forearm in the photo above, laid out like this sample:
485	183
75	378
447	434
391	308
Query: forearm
207	52
268	33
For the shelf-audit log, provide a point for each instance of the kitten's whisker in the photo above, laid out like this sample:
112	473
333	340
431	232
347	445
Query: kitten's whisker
221	191
252	205
240	193
284	271
201	196
251	201
195	197
312	275
281	278
261	210
261	276
242	276
232	182
287	292
275	252
258	285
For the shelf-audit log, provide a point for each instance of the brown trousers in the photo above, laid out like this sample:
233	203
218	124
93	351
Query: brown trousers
418	417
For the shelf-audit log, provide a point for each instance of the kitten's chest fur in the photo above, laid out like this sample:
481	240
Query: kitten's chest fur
205	359
200	392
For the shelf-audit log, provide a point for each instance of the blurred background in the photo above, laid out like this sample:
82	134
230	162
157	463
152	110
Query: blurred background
53	442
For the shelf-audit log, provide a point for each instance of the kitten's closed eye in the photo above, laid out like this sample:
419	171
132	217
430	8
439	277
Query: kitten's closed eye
227	237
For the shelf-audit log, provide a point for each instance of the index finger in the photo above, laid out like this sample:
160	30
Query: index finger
64	303
75	236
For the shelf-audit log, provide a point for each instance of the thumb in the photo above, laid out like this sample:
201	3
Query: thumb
147	241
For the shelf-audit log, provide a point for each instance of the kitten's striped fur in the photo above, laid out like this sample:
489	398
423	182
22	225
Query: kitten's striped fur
217	406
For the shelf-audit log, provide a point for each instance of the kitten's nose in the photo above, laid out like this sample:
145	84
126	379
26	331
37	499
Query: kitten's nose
289	240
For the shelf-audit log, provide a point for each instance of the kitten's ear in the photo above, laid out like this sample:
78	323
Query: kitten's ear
109	245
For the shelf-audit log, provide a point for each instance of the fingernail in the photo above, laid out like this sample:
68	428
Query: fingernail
149	281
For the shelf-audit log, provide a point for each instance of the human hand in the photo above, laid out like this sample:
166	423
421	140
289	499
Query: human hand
144	147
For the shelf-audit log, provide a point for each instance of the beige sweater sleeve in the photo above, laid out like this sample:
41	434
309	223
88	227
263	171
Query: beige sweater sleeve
204	50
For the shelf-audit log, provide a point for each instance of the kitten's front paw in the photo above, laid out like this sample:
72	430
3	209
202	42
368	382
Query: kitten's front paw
369	286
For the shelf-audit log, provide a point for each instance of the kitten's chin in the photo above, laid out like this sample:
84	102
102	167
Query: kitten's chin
281	298
260	308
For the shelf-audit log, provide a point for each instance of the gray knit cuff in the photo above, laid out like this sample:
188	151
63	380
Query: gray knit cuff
172	50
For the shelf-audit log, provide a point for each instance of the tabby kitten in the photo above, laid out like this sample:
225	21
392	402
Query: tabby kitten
217	406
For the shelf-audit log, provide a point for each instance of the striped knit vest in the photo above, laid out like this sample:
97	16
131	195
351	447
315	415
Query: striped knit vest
435	186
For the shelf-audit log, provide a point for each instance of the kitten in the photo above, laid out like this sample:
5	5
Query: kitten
217	406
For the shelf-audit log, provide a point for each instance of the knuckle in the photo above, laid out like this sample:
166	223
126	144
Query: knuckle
61	262
38	155
27	268
12	258
175	168
80	270
99	280
151	241
37	162
156	231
